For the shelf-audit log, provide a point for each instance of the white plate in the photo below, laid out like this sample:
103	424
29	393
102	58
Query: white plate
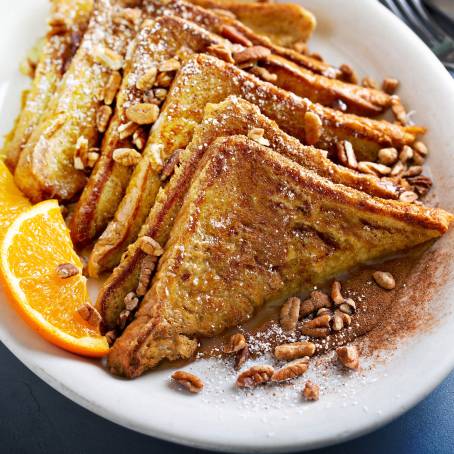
366	35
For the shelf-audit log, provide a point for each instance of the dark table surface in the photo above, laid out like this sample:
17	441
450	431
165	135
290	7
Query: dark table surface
36	419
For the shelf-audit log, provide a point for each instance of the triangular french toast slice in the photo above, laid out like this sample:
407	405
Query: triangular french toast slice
255	227
285	24
46	168
56	53
237	32
205	79
233	116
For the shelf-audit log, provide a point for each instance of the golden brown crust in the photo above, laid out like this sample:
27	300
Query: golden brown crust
205	79
55	56
220	24
46	166
279	227
285	24
231	117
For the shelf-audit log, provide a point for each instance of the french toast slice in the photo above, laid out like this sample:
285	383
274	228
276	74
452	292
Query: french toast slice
171	37
165	39
58	48
285	24
205	79
283	70
257	227
237	32
233	116
46	166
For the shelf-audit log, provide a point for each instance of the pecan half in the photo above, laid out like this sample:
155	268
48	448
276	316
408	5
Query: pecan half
251	54
188	381
254	376
236	343
288	352
291	370
289	315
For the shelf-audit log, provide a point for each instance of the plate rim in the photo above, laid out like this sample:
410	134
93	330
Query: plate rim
408	401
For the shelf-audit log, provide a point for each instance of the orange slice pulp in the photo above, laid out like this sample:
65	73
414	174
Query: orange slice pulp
35	244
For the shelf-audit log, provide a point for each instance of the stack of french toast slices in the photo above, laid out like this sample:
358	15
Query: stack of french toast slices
210	164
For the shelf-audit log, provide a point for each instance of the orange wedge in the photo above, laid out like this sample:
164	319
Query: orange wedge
35	244
12	201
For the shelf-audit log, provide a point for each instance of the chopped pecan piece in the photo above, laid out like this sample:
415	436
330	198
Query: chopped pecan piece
103	117
348	74
251	54
90	314
289	315
131	301
254	376
384	280
150	246
66	270
399	111
112	87
263	73
256	134
336	293
143	113
313	128
171	163
236	343
222	52
390	85
321	321
311	391
126	156
388	156
315	332
291	370
232	34
408	196
368	82
374	168
241	357
169	65
346	154
108	58
146	269
189	381
295	350
147	80
127	129
348	356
